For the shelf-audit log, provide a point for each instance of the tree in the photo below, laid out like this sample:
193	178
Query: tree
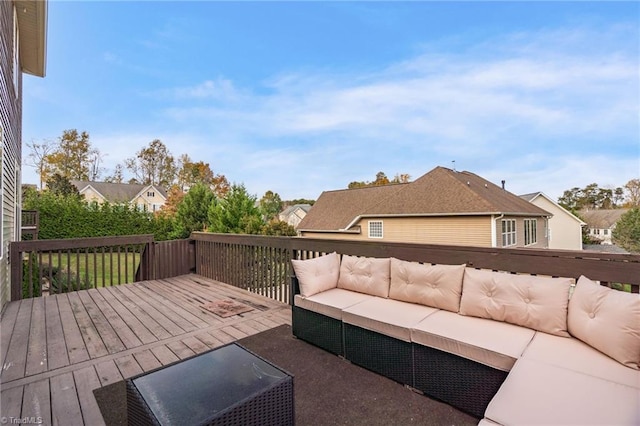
381	179
278	228
236	213
192	212
117	176
175	195
633	191
627	231
590	197
271	205
153	164
73	157
191	173
60	185
37	157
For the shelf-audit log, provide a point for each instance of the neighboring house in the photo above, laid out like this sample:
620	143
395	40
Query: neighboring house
294	214
145	197
565	229
442	207
601	223
23	43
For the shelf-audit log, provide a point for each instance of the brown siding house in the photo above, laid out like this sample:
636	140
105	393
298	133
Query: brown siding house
441	207
22	49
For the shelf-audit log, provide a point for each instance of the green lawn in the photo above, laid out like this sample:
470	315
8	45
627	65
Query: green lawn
95	269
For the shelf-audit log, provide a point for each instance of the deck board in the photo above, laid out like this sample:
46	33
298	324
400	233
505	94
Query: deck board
56	350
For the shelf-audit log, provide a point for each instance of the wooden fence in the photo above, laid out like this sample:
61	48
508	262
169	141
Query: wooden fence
262	264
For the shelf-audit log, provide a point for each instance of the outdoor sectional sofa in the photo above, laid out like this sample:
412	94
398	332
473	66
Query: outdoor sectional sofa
508	349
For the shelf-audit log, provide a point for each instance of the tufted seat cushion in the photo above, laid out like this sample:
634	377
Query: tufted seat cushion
608	320
365	275
538	303
331	302
317	275
438	286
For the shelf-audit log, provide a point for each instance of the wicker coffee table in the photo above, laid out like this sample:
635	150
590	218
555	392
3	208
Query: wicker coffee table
225	386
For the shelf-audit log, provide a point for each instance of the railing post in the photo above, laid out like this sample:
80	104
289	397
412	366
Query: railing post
15	259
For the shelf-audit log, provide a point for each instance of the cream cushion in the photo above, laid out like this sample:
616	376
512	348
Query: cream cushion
537	393
608	320
387	316
317	275
538	303
492	343
331	302
365	275
573	354
438	286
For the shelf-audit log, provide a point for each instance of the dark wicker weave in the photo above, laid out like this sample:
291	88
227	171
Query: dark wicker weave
460	382
138	412
317	329
376	352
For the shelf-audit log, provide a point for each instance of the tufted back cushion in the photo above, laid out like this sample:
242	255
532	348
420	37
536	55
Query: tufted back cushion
538	303
365	275
608	320
438	286
317	275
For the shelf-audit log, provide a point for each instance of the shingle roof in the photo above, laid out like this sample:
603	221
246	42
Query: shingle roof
602	219
116	192
442	191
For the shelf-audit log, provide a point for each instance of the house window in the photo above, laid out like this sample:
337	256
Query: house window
151	194
508	232
606	231
375	229
530	231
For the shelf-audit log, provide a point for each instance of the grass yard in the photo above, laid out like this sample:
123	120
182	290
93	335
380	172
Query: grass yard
98	269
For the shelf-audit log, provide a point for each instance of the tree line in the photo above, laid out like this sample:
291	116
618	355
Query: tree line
198	199
593	197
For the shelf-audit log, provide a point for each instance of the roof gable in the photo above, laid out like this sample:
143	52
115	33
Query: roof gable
535	195
117	192
441	191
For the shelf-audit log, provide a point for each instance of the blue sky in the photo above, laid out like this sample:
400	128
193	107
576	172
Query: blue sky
302	97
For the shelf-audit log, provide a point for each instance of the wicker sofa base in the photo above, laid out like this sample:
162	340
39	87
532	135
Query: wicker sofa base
460	382
391	357
317	329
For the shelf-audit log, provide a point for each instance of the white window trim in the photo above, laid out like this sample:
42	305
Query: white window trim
376	222
509	234
530	231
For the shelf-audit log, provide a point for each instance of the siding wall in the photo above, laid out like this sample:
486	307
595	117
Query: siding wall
10	131
461	230
467	231
566	232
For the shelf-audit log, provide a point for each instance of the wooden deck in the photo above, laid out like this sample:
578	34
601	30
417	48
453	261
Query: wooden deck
56	350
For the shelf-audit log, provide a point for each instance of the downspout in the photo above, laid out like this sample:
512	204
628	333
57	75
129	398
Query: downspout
494	230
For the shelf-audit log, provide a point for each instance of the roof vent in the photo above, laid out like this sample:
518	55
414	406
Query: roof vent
503	182
468	183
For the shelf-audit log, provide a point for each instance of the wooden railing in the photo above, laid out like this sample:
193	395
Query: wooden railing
262	264
258	263
30	224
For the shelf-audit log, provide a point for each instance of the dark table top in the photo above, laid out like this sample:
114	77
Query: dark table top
193	390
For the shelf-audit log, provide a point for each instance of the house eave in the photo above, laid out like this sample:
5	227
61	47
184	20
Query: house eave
32	26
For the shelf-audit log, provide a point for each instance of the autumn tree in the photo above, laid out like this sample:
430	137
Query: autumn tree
236	213
175	195
153	164
278	228
73	157
381	179
271	205
37	157
191	173
633	192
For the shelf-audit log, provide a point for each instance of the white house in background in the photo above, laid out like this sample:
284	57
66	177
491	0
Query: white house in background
149	198
23	47
601	223
294	214
565	228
